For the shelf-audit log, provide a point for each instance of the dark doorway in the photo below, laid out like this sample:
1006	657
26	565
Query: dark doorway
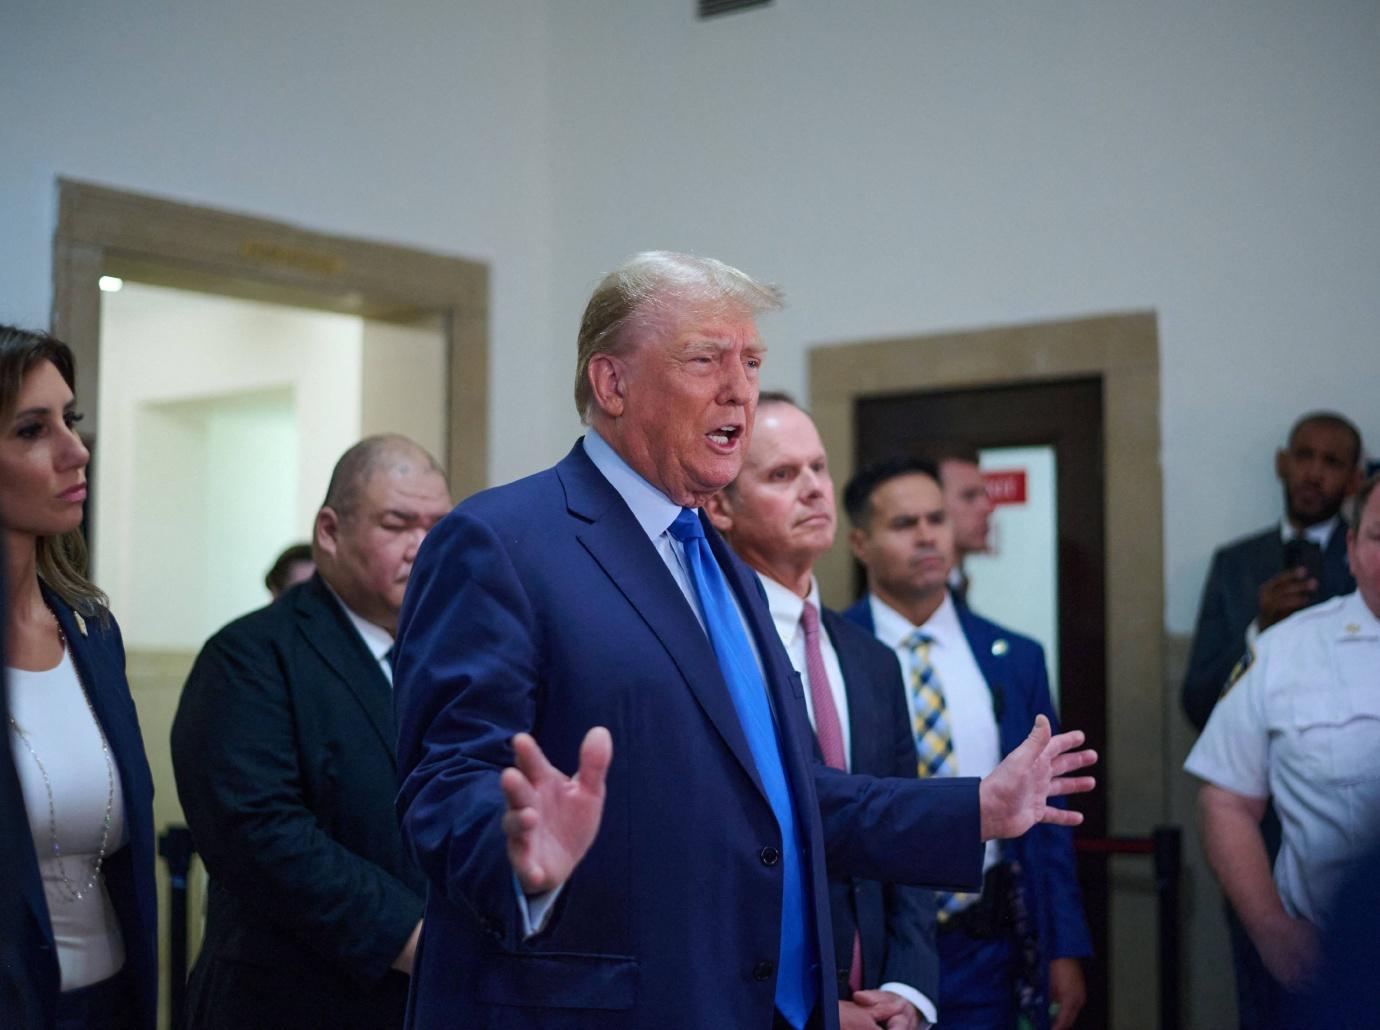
1067	416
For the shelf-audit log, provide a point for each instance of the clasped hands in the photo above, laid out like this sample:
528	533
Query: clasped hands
552	819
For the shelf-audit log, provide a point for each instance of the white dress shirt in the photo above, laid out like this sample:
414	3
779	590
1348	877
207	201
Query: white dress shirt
377	639
786	608
972	721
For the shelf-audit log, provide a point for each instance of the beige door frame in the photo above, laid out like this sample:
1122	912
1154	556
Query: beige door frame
1122	349
103	231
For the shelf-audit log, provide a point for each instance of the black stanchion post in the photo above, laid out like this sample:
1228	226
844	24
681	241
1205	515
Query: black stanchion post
175	845
1168	859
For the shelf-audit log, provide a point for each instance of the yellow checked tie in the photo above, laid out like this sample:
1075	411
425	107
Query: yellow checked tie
934	741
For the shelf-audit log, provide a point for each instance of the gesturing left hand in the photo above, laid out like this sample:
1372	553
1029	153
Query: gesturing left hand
1015	795
552	818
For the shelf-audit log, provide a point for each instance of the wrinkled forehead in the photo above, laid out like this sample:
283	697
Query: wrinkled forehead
669	317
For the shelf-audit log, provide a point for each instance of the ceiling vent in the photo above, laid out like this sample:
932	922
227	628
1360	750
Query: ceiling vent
712	8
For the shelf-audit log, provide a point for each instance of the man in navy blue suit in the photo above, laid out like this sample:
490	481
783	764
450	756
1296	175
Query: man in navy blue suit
1014	947
779	517
681	884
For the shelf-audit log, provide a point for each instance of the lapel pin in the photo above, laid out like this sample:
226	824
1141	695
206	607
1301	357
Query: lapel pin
1352	627
81	623
1000	646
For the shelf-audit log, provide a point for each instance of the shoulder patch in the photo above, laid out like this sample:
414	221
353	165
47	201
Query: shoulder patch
1239	669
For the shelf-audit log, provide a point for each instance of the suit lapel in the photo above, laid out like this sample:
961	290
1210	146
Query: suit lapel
996	670
1336	573
326	628
118	723
618	544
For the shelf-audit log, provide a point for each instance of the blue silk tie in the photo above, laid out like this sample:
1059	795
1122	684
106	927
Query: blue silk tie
795	984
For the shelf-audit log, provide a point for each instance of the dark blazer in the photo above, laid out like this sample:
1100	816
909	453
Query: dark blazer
896	924
282	749
1230	603
542	606
1014	668
98	653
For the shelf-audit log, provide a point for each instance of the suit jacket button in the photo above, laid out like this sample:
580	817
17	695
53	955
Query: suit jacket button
769	855
763	970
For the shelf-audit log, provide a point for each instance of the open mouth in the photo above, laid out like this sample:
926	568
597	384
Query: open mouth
725	435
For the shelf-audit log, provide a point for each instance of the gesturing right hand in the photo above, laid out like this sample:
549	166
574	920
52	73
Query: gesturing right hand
552	818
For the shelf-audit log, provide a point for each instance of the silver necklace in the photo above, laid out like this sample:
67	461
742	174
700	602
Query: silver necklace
75	891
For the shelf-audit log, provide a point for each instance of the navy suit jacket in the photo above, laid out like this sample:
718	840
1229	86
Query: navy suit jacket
1014	668
99	657
895	923
282	748
542	606
1230	603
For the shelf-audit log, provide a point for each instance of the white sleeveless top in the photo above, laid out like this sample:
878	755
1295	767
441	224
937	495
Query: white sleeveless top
51	711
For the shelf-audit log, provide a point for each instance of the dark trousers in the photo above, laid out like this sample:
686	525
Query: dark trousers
976	982
108	1005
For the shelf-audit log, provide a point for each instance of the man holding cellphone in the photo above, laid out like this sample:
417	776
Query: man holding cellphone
1256	582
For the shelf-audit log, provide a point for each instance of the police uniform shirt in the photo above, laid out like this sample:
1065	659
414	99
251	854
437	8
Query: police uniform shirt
1302	725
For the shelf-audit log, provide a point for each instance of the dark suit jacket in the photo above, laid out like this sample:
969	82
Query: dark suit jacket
896	924
1014	668
99	657
282	749
543	606
1230	603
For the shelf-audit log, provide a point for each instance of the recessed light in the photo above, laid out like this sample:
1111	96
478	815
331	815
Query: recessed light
110	284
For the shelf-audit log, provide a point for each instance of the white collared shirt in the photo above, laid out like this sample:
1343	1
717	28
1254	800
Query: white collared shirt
377	639
972	721
1302	726
786	608
1320	532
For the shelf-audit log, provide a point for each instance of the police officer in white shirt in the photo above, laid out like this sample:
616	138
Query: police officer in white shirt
1301	726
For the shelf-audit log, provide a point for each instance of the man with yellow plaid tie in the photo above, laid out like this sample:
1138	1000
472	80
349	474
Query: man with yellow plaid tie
1012	951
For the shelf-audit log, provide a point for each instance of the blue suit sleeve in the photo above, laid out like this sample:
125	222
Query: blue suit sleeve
466	681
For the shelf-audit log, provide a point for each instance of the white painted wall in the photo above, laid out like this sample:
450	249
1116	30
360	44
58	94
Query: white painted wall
222	421
900	167
421	123
903	167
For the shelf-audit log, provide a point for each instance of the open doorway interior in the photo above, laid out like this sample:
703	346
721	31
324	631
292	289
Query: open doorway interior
222	418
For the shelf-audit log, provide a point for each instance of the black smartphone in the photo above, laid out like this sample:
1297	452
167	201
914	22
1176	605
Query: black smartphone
1306	554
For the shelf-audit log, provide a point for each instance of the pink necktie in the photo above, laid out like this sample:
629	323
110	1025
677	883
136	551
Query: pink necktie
829	733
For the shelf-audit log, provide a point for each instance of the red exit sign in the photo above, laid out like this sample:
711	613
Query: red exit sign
1005	486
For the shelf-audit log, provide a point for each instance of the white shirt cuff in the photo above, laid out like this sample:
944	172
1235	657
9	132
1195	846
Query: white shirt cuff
536	908
928	1016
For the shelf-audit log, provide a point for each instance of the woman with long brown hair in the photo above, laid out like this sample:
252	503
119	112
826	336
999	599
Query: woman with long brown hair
74	735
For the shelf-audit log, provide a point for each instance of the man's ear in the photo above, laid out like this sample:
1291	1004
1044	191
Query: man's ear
608	380
327	531
857	543
719	508
1281	460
